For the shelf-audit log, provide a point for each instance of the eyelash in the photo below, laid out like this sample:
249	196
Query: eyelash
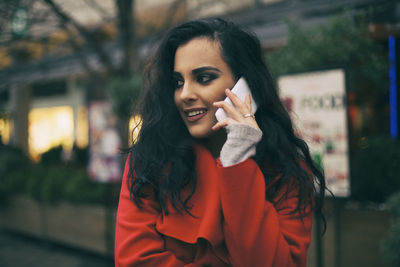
203	79
177	83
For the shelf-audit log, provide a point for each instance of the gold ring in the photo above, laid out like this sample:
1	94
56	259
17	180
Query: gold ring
249	115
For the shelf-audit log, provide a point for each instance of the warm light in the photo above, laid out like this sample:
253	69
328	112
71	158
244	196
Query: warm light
134	127
5	130
82	128
50	127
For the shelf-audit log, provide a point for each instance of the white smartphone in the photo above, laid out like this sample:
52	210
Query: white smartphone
241	89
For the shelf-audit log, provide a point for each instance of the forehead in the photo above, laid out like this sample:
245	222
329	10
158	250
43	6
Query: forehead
198	52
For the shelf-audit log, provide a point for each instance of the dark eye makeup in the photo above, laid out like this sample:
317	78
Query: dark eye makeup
203	76
177	81
206	78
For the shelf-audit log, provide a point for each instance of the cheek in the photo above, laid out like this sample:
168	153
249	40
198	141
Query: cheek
176	98
220	94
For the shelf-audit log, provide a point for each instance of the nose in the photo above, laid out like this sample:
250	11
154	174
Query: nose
187	93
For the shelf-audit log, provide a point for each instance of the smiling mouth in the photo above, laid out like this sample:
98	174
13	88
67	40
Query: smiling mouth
195	115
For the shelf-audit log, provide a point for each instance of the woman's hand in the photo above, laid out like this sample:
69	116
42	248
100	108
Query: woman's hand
240	112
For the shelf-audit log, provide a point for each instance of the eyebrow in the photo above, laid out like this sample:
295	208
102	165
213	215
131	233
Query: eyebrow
206	68
199	70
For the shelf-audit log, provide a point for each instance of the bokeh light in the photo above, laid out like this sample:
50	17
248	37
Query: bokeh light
50	127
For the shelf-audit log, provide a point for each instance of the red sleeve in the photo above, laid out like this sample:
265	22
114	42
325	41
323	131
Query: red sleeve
137	243
257	233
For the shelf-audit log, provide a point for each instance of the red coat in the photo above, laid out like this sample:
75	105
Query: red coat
233	225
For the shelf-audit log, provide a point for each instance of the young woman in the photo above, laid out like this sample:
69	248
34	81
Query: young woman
197	192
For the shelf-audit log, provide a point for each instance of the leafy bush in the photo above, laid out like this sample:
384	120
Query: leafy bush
391	246
51	180
342	43
80	156
376	170
35	178
11	159
53	183
80	189
52	156
124	93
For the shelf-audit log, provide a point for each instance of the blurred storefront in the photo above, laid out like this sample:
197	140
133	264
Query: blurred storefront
59	80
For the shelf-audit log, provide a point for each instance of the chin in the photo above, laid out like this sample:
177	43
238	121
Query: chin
200	133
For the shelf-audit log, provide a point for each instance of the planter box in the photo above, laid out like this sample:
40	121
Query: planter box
24	215
358	231
89	227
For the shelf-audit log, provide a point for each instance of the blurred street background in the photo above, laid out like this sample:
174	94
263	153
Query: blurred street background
20	250
70	78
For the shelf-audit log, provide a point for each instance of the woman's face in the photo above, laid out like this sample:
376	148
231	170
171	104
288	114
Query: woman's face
200	79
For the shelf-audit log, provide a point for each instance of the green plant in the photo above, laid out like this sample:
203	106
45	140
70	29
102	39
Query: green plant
34	181
390	247
53	183
80	189
80	156
124	93
52	156
376	170
12	159
342	43
14	182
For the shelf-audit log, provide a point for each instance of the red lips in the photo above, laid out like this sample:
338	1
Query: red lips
193	115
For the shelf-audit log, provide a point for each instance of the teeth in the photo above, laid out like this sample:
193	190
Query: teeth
196	112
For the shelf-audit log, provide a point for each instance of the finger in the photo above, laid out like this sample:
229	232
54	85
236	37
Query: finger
233	97
235	115
219	125
237	102
247	101
229	109
223	123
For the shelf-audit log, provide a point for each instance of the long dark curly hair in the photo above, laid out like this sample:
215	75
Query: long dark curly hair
163	158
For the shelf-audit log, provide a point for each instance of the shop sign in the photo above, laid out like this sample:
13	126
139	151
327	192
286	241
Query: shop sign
317	104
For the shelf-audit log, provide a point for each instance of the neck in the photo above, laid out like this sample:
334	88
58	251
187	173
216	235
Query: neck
214	142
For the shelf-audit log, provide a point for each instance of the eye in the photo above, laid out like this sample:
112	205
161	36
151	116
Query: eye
205	78
177	83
